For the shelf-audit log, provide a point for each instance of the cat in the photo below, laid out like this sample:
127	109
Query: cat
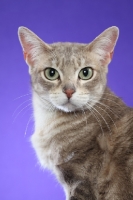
83	131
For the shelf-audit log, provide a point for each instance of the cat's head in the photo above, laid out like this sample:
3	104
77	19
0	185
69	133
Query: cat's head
69	76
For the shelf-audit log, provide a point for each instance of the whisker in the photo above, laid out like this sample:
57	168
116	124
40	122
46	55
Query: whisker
19	107
42	98
108	115
21	96
28	124
96	117
102	118
21	111
106	106
50	106
75	115
112	101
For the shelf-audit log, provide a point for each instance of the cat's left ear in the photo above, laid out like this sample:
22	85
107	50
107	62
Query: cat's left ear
104	44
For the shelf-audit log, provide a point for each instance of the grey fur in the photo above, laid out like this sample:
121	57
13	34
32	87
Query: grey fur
87	142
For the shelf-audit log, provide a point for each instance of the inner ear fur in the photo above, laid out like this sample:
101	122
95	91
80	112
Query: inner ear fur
104	44
32	45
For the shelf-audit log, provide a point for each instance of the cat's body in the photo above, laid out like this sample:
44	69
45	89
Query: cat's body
83	132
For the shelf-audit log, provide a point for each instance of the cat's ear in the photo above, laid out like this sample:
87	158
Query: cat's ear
32	45
104	44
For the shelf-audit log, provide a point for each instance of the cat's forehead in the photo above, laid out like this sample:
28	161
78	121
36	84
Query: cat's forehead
68	47
69	54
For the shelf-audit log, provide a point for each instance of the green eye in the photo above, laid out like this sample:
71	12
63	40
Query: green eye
86	73
51	74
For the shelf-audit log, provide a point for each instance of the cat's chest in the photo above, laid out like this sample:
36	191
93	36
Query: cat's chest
60	138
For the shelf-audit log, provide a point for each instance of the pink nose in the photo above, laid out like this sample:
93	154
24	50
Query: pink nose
69	92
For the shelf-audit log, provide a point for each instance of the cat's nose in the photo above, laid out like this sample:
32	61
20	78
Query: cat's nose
69	89
69	93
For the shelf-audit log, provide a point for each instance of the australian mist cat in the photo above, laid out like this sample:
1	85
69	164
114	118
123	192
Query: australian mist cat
83	132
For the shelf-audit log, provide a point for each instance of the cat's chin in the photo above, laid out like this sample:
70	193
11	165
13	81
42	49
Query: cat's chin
68	107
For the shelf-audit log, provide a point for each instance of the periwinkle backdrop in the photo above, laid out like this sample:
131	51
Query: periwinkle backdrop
53	20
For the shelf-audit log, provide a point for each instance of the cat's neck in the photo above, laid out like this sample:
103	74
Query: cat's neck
42	112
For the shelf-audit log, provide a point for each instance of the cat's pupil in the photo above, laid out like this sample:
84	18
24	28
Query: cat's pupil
52	72
85	72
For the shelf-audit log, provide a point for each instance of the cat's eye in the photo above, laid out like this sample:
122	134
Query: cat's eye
86	73
51	74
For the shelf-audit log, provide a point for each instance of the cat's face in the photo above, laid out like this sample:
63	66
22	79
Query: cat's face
68	76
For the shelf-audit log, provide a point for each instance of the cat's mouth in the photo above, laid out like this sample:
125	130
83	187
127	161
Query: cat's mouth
68	106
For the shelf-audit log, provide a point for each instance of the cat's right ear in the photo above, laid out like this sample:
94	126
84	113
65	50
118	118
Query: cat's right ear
32	45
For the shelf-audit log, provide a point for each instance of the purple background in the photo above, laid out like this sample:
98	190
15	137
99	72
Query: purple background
53	20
